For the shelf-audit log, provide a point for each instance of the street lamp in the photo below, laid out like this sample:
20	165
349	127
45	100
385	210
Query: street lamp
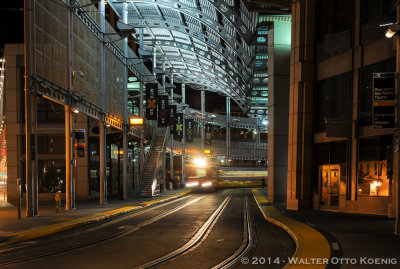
392	30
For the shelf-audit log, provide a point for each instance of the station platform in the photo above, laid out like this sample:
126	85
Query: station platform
355	240
13	230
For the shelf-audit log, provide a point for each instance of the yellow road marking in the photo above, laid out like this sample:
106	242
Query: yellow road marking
311	245
45	230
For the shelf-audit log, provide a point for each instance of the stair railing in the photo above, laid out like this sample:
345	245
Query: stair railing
159	162
146	157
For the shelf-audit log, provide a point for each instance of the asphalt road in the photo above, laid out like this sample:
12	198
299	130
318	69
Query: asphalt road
200	230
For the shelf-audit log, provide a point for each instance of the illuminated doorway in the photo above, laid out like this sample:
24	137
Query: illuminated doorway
329	180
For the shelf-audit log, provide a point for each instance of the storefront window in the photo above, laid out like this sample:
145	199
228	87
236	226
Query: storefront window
365	90
51	175
375	166
333	100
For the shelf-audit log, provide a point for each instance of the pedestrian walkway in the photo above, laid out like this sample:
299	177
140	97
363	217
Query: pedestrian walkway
355	240
48	222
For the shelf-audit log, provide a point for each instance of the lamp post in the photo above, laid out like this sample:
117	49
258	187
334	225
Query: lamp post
392	30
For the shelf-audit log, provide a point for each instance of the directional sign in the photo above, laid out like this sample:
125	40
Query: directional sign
383	117
383	87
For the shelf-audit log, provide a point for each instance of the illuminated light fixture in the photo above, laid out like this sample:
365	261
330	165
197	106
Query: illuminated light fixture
392	30
75	110
192	184
108	125
136	121
200	162
206	184
264	122
207	151
120	152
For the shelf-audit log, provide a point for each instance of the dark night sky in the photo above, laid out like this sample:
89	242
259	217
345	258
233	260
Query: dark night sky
11	22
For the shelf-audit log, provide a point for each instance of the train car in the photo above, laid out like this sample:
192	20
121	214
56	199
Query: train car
202	174
229	177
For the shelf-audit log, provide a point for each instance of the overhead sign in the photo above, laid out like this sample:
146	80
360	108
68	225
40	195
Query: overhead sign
172	118
163	112
136	121
79	136
179	126
384	117
383	87
189	130
151	101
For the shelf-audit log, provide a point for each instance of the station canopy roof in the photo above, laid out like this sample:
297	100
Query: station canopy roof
205	44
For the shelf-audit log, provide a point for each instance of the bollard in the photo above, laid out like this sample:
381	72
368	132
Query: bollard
57	198
170	185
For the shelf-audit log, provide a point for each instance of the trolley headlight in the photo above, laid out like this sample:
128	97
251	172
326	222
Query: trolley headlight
206	184
192	184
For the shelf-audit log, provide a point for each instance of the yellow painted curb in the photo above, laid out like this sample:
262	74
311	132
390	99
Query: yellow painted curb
62	226
312	248
161	200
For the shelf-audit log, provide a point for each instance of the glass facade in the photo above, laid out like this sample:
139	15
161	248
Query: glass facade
333	100
334	27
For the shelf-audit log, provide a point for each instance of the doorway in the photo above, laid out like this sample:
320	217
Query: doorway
329	180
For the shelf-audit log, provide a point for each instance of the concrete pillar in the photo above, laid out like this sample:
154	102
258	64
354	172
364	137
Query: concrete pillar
141	111
278	86
228	128
183	131
102	129
299	176
203	114
171	155
126	116
30	114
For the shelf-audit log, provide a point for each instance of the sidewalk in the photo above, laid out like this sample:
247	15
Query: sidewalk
86	211
355	240
354	235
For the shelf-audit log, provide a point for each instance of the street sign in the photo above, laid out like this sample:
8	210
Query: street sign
383	87
384	117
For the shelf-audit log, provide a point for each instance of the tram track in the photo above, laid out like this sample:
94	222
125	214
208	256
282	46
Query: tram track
98	226
107	238
247	243
202	233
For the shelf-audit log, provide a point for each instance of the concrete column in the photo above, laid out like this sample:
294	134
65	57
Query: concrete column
30	113
203	114
299	176
183	131
228	128
126	116
102	134
171	156
68	158
141	112
278	85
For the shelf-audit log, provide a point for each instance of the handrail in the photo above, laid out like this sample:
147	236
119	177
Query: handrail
146	157
161	153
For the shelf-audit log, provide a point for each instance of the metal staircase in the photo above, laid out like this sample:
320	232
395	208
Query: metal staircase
149	185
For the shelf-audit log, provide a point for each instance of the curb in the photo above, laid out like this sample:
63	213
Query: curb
45	230
312	248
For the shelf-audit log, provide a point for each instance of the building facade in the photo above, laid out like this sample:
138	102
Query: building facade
339	158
